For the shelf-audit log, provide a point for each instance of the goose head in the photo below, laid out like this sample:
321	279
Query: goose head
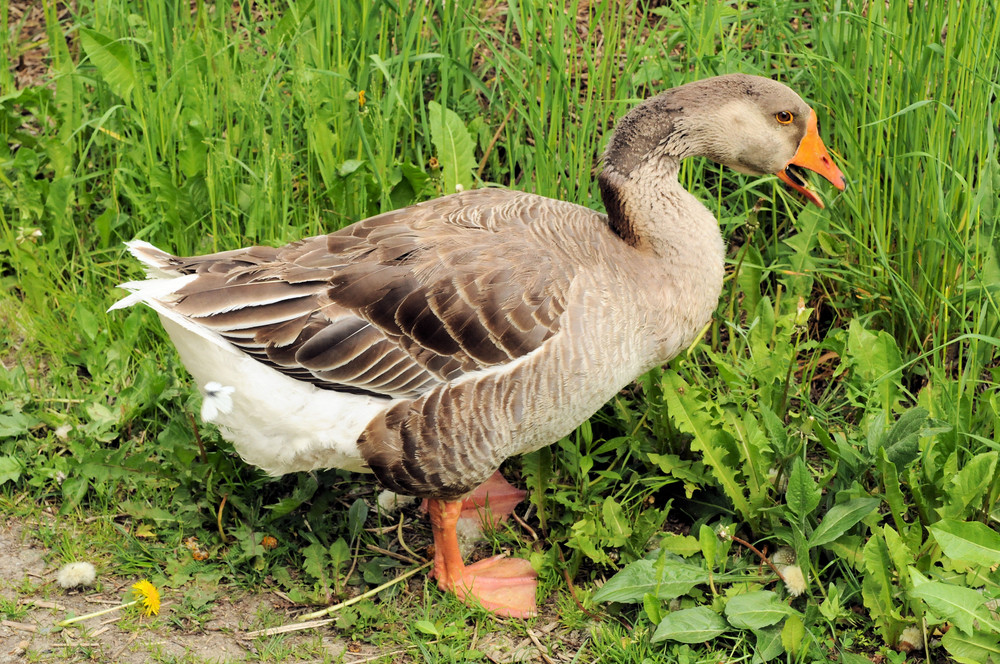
749	123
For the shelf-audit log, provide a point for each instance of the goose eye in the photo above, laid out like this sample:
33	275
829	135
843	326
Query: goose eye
784	117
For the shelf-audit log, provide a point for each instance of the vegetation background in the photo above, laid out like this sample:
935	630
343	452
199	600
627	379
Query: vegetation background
842	407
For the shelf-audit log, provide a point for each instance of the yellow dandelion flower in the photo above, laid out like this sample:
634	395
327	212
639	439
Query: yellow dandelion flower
149	596
361	99
145	594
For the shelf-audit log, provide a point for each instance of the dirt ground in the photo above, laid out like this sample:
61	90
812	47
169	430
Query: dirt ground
28	589
33	637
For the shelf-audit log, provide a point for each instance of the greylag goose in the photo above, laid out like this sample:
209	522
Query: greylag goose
428	344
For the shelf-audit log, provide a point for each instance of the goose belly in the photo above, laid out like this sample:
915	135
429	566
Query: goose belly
275	422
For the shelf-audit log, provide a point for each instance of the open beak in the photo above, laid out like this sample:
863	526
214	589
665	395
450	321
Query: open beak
811	154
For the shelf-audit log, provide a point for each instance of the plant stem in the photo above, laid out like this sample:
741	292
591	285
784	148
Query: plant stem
70	621
371	593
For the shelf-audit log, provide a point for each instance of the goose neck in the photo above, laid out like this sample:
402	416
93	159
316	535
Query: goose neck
650	210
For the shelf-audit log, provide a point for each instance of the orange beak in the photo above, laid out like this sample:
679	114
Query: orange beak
812	154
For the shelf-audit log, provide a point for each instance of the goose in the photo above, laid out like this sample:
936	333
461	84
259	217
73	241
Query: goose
428	344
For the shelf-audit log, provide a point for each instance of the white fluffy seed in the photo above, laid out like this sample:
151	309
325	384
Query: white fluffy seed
76	574
795	580
390	501
911	639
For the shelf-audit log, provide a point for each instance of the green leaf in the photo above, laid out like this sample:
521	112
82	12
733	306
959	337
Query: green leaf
340	553
852	658
878	587
537	469
653	607
304	490
898	549
842	518
16	424
970	484
322	145
666	580
755	610
73	490
686	406
113	61
875	361
10	469
696	625
964	540
349	167
902	439
954	603
892	488
803	494
849	548
977	648
793	634
454	146
618	528
831	244
682	545
427	627
709	543
315	560
768	645
356	516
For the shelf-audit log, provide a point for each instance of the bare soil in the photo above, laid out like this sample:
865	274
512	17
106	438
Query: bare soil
27	581
31	603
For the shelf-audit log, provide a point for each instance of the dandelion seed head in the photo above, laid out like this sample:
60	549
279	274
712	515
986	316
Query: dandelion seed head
470	532
389	502
795	580
76	574
785	555
911	639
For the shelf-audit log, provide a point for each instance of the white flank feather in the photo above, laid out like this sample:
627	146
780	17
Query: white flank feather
275	422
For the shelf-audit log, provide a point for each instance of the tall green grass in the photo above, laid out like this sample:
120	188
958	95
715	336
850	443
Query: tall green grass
919	88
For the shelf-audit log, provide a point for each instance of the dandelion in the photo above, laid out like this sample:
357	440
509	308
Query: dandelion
470	532
795	580
390	502
911	639
145	593
76	574
149	596
361	99
785	555
217	400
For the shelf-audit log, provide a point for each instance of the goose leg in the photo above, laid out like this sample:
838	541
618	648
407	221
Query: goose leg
493	501
505	586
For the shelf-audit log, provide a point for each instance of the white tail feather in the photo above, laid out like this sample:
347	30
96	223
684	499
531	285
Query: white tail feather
153	292
156	261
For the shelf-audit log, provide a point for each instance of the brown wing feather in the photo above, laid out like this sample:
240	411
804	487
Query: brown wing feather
394	304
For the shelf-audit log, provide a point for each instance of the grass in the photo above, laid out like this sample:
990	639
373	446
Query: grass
850	372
